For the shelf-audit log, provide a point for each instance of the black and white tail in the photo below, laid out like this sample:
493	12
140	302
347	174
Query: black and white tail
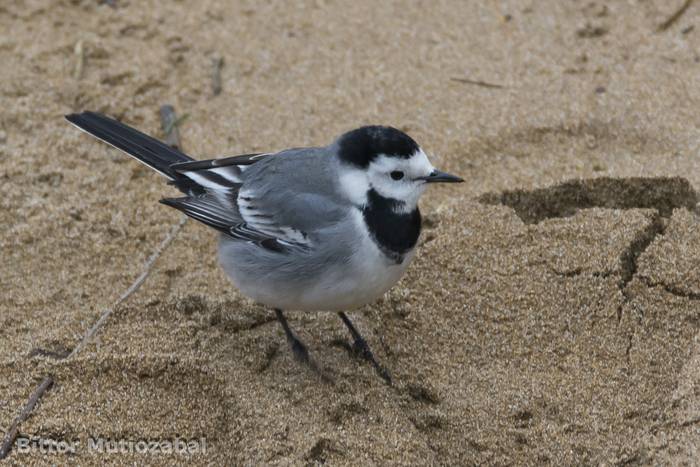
211	186
155	154
193	177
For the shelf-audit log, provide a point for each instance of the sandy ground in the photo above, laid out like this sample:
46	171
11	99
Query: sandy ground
551	314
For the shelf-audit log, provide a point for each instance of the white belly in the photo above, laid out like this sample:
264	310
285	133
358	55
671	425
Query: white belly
361	280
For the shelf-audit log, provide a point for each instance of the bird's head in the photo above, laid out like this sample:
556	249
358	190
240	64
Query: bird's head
388	161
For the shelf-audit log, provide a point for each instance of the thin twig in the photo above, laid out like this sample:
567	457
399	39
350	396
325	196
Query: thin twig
478	83
47	382
170	122
173	125
80	60
11	434
675	16
132	288
217	64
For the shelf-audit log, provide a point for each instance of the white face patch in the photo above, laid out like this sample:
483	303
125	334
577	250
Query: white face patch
354	184
407	189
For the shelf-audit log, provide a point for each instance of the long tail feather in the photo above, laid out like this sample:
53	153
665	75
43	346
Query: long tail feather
140	146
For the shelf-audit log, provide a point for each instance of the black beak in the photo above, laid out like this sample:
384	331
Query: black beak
441	177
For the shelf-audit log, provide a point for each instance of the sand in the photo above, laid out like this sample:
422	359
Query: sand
551	313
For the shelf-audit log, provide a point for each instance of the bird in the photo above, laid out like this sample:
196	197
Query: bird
304	229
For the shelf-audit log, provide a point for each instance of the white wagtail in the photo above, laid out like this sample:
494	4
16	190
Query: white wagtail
315	229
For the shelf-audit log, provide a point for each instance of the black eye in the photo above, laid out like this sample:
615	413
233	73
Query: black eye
397	175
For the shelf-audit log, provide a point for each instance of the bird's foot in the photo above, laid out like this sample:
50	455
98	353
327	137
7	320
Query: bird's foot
362	350
301	353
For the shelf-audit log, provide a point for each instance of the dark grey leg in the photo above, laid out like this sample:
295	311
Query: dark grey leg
362	349
298	347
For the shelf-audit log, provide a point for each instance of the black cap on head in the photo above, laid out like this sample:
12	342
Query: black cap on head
359	147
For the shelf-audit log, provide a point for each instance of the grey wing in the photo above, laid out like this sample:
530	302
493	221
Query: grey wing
293	194
258	198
